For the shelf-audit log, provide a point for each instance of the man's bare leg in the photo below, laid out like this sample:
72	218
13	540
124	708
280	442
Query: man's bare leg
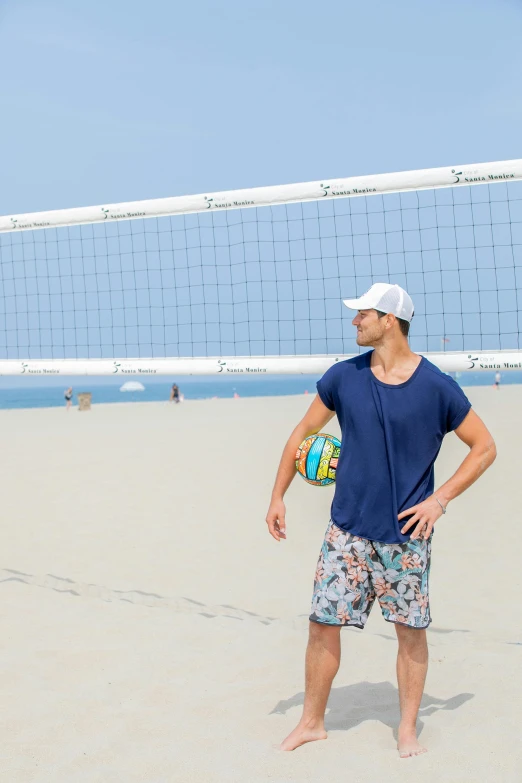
412	665
323	656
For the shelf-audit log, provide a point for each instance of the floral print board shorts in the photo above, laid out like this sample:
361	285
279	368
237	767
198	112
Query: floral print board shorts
352	572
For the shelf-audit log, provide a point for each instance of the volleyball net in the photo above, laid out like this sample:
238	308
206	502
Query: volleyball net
253	280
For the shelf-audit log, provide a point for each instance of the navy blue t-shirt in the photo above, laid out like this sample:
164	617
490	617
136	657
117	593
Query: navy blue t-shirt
391	436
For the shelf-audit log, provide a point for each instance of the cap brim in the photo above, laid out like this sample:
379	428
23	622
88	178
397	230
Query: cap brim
358	304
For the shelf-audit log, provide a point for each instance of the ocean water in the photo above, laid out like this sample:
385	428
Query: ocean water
32	393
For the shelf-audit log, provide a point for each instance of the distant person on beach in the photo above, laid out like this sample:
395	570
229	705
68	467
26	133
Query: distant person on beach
497	380
174	393
68	397
394	408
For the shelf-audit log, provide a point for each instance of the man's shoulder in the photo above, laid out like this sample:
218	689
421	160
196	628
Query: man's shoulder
436	377
435	374
341	371
349	365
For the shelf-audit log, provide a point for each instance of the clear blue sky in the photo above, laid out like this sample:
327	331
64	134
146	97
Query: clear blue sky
122	100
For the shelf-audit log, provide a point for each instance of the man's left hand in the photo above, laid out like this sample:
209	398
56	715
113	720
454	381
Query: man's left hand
425	515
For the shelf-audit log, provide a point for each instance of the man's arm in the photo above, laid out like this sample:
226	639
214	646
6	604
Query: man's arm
473	433
482	453
314	420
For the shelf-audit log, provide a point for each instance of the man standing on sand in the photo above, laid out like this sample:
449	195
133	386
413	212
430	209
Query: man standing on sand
394	409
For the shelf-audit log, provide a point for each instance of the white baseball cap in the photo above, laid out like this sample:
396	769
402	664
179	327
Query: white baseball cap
384	297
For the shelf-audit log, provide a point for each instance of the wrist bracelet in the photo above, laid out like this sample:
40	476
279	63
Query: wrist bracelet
440	504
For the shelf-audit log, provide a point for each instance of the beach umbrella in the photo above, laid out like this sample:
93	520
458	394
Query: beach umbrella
131	386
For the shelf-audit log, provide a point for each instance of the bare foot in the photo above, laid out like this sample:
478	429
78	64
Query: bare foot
408	744
301	734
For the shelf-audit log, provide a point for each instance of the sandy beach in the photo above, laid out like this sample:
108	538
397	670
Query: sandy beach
152	631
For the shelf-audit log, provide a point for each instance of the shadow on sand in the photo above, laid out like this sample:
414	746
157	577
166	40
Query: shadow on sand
351	705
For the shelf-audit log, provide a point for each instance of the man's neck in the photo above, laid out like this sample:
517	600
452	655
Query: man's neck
393	357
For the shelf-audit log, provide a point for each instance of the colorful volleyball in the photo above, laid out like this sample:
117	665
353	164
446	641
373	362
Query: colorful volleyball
317	457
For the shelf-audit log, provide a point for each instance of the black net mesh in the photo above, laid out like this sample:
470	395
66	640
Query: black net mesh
267	281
